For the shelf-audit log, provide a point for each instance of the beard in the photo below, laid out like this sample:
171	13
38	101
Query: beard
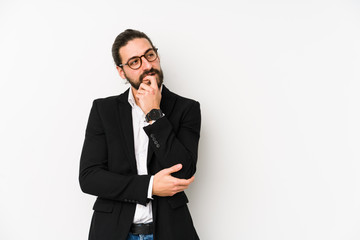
136	83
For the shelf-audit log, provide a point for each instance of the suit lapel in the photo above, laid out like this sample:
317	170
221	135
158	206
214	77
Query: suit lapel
167	101
126	124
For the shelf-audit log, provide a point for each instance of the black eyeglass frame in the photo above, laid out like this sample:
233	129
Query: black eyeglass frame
140	57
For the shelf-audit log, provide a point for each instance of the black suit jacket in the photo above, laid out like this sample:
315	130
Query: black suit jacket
108	166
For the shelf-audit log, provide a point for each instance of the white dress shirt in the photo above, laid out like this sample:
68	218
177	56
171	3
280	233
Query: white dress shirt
143	214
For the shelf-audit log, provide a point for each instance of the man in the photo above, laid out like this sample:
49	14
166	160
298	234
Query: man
140	151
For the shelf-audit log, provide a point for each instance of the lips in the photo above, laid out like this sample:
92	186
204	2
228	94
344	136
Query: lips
148	74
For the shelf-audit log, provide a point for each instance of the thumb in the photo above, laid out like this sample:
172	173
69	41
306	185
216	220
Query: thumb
173	169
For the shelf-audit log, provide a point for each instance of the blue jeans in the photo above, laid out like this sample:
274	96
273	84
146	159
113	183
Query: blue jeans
140	237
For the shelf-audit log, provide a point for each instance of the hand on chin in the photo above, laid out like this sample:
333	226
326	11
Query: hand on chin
148	94
147	79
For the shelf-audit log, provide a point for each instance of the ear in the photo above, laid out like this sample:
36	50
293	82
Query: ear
121	72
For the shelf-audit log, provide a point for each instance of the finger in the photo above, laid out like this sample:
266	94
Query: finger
144	86
139	95
153	83
146	80
147	88
185	182
141	91
181	188
172	169
191	179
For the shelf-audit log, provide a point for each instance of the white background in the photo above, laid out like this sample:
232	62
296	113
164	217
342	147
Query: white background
278	83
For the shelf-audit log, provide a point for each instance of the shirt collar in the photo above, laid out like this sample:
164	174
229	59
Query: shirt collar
131	98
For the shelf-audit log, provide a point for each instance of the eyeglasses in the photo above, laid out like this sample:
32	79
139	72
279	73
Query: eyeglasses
136	62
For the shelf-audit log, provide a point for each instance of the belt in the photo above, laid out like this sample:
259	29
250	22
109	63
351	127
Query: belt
142	228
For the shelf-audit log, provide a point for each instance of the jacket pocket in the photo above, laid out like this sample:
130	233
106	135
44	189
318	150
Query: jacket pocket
178	200
102	205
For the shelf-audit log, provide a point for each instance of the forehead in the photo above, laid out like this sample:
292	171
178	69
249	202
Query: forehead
135	47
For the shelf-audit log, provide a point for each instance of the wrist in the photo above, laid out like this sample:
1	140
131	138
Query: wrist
154	115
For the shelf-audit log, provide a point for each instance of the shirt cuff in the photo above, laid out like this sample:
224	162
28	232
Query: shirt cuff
149	195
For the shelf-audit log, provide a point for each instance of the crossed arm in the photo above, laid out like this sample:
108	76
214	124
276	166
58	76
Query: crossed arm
177	158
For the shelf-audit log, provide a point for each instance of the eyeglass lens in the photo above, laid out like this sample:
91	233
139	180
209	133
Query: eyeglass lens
136	62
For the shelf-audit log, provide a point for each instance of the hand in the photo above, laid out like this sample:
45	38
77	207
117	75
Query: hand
166	185
148	94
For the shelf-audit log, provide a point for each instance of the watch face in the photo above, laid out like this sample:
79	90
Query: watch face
154	114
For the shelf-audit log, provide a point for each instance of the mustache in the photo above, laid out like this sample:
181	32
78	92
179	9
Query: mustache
149	72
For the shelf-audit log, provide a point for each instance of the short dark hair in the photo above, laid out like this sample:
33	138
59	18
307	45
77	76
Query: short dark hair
122	39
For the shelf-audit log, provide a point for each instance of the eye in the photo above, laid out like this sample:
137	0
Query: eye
134	62
151	55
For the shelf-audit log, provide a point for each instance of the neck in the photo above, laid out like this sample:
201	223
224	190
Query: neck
134	92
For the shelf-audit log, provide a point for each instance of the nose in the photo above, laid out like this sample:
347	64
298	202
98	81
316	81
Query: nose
146	65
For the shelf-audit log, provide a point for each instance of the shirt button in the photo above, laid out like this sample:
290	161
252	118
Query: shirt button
157	145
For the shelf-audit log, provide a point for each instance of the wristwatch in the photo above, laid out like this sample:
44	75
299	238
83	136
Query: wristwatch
154	114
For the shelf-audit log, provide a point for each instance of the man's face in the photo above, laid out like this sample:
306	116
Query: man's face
136	48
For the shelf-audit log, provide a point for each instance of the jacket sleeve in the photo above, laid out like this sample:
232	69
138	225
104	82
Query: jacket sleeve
172	147
95	177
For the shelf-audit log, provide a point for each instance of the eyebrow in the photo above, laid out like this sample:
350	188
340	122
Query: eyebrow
138	56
